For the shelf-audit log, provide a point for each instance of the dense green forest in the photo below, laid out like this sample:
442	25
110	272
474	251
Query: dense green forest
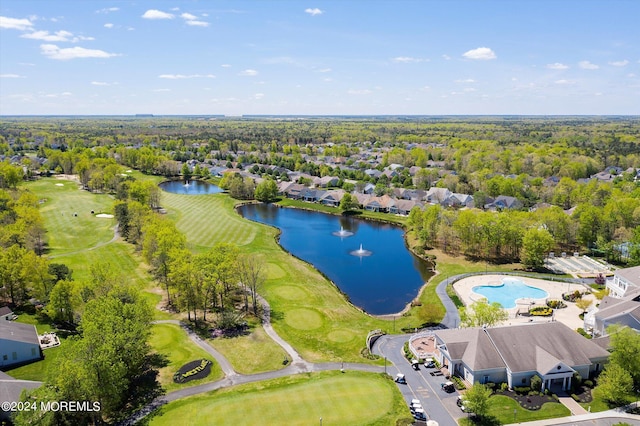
575	177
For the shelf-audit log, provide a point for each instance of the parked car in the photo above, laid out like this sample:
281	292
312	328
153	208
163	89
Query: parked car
415	364
429	363
448	387
419	414
400	379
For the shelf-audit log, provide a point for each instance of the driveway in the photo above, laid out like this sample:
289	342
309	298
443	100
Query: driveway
439	405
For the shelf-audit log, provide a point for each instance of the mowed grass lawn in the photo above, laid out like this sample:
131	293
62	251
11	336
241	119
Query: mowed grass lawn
251	354
84	240
353	398
307	310
172	341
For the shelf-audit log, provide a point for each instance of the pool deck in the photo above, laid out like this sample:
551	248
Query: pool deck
568	316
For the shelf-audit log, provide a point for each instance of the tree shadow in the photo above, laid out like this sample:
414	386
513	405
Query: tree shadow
277	315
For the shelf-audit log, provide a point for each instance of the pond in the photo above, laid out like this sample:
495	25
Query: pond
367	260
192	187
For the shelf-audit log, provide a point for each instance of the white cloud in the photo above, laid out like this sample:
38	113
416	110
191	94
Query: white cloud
406	59
198	23
325	70
481	53
11	76
108	10
446	57
425	88
108	25
586	65
563	82
161	90
557	66
622	63
188	16
183	76
15	24
54	52
100	83
157	14
313	12
359	91
226	65
466	81
65	36
249	73
258	96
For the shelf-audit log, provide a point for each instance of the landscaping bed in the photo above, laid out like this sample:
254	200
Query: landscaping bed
528	402
582	395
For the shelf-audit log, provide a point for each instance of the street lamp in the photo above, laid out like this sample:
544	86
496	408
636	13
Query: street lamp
320	421
385	365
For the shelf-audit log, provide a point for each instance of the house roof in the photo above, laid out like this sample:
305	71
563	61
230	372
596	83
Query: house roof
631	275
18	332
10	388
520	348
472	346
518	345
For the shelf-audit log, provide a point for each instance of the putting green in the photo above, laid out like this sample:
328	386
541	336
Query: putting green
274	271
303	319
352	398
290	292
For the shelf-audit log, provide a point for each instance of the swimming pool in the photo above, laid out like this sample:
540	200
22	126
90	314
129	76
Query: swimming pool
509	291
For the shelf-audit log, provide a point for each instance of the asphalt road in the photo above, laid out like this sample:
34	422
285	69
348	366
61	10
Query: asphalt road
439	405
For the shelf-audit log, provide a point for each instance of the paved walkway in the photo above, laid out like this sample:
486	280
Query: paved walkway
603	418
572	405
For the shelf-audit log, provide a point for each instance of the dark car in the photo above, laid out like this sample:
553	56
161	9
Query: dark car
415	364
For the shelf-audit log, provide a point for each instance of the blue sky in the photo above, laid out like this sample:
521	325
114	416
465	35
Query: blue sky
320	57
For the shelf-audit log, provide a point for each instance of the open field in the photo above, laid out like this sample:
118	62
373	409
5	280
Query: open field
353	398
172	341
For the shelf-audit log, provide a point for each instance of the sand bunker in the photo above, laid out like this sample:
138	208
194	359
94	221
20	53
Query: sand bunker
59	184
104	215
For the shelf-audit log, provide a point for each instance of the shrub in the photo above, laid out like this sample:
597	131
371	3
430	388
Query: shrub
522	390
588	383
459	384
583	333
504	386
542	311
536	382
575	397
556	304
490	385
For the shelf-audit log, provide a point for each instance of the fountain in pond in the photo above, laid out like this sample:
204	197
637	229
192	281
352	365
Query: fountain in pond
342	233
360	252
186	183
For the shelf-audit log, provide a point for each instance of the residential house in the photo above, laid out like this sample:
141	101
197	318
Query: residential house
294	190
503	202
623	311
404	207
10	391
19	343
373	173
368	188
378	204
459	200
604	177
332	198
513	354
6	314
326	181
362	198
623	281
438	195
311	195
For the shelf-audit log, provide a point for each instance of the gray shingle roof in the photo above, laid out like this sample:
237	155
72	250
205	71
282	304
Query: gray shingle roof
18	332
517	345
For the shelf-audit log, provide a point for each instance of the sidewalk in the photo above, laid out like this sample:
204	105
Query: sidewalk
602	418
575	408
